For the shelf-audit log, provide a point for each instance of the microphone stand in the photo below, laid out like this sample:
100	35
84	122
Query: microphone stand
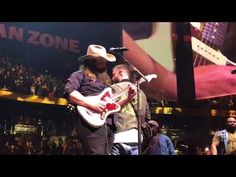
137	75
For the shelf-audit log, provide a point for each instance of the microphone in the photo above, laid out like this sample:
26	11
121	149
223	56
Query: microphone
183	145
118	49
233	71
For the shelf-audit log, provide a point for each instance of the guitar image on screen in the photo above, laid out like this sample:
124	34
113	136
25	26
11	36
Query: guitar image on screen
109	100
207	40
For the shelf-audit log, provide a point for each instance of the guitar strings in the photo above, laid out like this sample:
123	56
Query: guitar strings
213	36
208	31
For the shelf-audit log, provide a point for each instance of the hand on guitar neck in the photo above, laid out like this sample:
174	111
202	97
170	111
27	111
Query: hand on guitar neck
131	93
130	97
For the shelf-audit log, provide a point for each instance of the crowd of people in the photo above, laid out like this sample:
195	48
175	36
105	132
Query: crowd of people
28	144
19	78
27	134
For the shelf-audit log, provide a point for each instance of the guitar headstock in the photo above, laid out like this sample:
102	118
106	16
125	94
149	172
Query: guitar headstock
148	77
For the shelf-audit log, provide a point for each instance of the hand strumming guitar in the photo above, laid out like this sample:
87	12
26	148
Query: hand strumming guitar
97	107
79	99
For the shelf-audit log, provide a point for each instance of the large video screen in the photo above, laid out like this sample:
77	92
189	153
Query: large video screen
37	57
214	58
151	49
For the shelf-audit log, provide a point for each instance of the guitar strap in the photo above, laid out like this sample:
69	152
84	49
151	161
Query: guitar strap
135	110
144	133
135	107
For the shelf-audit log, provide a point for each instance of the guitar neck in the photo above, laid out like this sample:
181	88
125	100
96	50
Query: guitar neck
214	34
117	95
140	81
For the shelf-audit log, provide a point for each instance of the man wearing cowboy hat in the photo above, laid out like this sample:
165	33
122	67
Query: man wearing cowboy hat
86	82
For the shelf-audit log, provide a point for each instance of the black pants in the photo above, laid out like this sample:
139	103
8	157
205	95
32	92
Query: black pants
95	141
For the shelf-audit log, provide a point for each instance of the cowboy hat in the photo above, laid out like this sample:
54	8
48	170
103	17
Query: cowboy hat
96	52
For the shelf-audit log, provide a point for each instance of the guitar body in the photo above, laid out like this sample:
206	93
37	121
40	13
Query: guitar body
95	119
108	99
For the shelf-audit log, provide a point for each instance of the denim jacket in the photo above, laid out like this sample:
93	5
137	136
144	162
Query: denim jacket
224	139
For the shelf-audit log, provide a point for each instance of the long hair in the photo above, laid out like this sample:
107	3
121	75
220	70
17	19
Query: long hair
88	68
